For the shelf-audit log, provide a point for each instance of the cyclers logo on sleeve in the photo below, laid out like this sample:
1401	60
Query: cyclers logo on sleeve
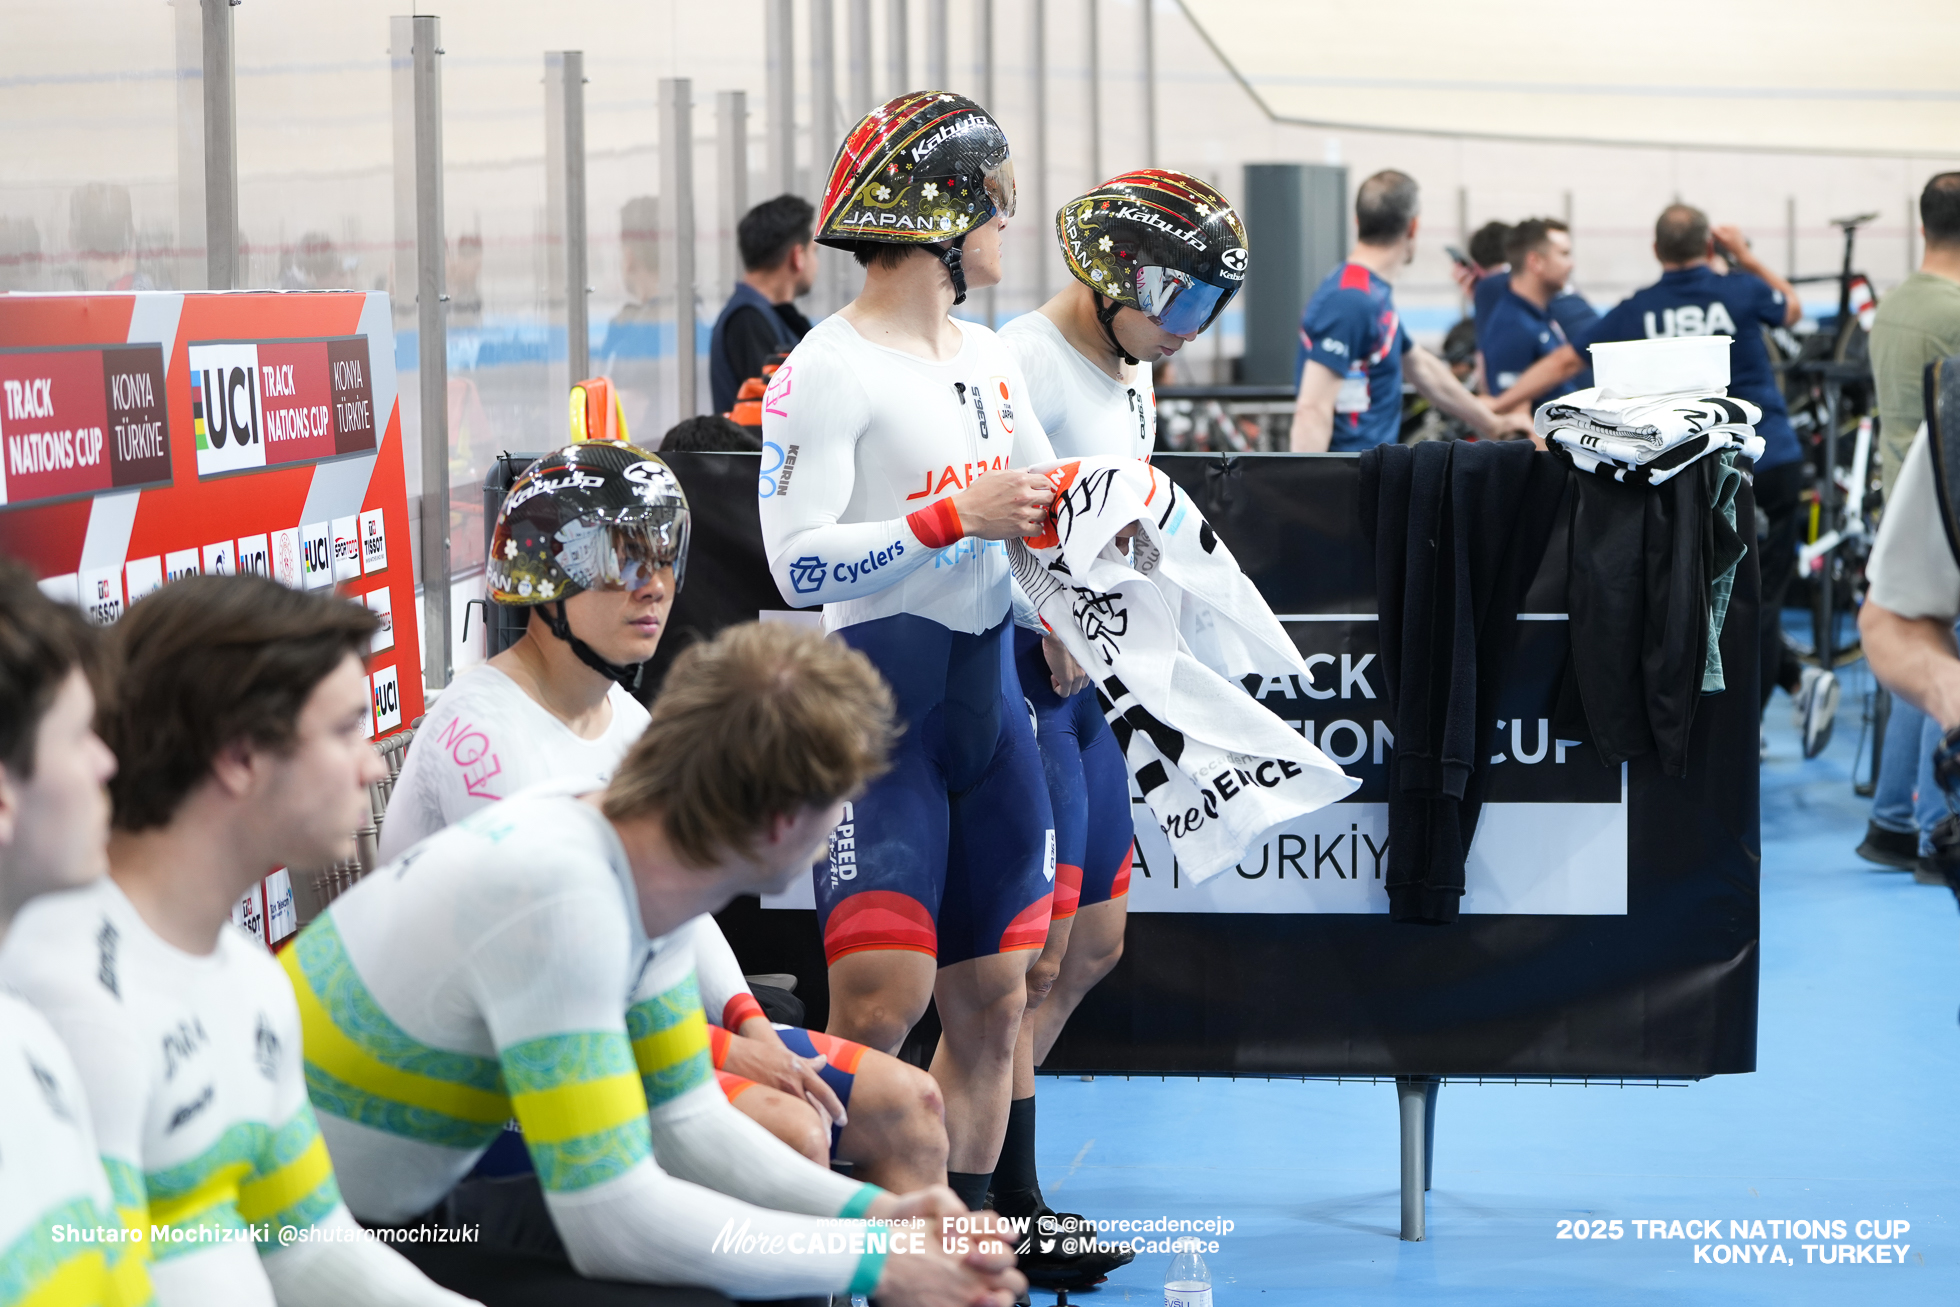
850	573
806	574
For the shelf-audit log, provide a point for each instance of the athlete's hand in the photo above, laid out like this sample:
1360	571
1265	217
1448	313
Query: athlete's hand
1064	673
983	1277
768	1061
1005	505
1515	424
934	1202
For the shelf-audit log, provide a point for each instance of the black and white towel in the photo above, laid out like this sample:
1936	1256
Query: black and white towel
1649	438
1167	634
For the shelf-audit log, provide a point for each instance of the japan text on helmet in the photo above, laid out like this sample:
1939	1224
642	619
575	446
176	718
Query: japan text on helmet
925	168
598	515
1163	243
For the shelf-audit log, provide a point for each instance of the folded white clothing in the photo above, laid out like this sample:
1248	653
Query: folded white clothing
1634	451
1654	420
1169	635
1657	471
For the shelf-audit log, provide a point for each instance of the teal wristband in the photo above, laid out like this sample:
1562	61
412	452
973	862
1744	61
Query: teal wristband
870	1267
861	1201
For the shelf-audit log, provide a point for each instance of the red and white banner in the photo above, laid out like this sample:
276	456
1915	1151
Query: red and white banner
145	437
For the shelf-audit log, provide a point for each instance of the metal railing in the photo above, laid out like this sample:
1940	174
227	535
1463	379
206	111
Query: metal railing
1225	419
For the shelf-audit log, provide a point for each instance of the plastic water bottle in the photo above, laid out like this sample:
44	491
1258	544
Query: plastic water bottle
1188	1282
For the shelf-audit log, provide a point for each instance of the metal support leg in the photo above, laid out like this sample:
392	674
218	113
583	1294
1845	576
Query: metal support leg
1416	1097
1429	1136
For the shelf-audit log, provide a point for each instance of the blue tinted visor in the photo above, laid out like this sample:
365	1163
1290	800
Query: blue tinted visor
1178	302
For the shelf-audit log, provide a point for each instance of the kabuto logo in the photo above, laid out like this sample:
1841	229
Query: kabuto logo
1149	219
1234	261
225	408
806	574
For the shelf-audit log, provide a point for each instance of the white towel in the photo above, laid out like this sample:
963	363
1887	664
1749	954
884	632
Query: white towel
1167	634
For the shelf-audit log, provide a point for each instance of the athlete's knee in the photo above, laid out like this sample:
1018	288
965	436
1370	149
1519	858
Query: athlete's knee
874	1020
1041	980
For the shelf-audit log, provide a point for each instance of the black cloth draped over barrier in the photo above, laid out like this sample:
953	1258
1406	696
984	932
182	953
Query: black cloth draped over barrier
1667	990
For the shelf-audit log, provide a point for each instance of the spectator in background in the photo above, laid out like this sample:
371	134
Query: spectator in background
1692	299
104	237
1916	324
710	433
316	265
630	352
1353	347
779	254
465	275
1518	327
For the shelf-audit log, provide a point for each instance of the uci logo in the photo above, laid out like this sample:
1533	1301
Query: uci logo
806	574
1234	260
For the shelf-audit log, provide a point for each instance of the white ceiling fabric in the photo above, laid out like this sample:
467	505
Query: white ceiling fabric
1870	77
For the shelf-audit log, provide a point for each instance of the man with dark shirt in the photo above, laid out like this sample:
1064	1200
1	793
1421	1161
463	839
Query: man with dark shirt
1522	322
1353	349
779	254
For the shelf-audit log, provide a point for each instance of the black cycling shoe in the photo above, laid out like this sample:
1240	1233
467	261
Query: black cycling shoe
1065	1253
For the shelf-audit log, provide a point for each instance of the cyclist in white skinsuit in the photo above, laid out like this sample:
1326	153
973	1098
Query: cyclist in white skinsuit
901	432
1155	256
240	718
536	960
54	827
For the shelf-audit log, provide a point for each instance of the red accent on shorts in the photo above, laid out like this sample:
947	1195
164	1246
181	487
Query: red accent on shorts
742	1007
718	1041
1029	929
1068	890
732	1086
840	1053
1121	884
879	919
937	525
1354	277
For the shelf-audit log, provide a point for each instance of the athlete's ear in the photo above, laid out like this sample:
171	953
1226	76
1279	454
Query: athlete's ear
235	767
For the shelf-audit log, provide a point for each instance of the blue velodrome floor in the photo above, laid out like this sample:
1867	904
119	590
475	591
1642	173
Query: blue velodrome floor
1852	1115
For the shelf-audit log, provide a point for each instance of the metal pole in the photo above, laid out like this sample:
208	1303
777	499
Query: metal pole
860	59
898	46
732	141
780	41
1414	1096
432	346
825	130
1790	235
220	150
189	26
1095	92
1038	183
936	74
1149	83
564	116
983	40
401	281
677	195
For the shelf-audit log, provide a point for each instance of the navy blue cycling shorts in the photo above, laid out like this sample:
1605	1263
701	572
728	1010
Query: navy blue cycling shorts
1088	786
952	851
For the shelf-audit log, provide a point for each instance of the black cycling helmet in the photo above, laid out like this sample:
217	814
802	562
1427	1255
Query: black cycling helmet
1162	243
925	168
597	515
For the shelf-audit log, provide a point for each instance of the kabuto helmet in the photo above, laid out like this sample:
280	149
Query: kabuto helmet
597	515
925	168
1163	243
